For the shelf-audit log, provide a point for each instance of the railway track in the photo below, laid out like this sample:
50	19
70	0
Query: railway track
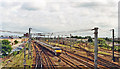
87	61
69	63
104	50
38	62
72	64
45	61
110	52
101	61
51	65
82	60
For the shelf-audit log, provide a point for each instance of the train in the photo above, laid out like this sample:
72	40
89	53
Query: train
57	50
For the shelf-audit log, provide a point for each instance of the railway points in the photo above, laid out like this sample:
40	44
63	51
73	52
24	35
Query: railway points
63	53
71	57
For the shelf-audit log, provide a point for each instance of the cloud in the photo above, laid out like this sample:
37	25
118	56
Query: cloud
33	6
29	7
88	4
57	16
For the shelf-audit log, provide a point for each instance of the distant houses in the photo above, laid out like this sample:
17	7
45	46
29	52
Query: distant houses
84	40
13	39
75	39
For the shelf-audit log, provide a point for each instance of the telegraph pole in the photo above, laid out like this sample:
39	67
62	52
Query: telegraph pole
51	38
55	41
62	39
44	37
29	44
48	39
73	42
58	40
113	57
95	47
70	41
24	53
65	41
0	47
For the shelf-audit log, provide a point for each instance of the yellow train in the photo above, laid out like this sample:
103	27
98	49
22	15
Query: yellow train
57	51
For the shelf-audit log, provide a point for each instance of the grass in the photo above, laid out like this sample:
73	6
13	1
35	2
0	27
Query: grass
14	61
18	60
99	52
103	53
88	49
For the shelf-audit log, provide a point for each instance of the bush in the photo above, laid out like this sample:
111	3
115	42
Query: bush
103	43
14	53
6	48
90	40
15	41
5	42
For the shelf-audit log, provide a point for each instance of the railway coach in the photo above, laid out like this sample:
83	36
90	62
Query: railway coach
57	51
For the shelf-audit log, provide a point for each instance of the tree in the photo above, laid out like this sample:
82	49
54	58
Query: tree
20	37
14	53
103	42
5	42
6	48
15	41
87	37
1	35
79	37
74	36
107	39
90	40
67	37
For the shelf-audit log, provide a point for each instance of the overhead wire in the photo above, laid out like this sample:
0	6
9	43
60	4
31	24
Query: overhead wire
12	32
106	32
53	33
74	31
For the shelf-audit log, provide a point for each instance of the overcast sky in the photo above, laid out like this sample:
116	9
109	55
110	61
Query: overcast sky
59	15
